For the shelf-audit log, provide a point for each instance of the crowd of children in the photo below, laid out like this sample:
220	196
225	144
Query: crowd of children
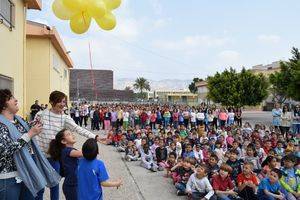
214	160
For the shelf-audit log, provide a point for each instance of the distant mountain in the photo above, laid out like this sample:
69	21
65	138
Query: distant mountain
165	84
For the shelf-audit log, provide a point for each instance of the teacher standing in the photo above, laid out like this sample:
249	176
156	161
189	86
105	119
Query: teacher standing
24	170
54	120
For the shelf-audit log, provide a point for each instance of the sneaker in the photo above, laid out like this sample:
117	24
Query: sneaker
153	169
180	193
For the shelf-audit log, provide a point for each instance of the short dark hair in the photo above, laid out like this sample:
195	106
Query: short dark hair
5	96
90	149
277	171
290	158
56	97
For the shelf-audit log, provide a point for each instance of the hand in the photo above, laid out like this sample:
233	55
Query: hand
189	192
119	182
281	197
232	193
35	130
101	140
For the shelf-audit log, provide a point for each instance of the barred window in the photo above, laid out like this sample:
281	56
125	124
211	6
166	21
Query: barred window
7	13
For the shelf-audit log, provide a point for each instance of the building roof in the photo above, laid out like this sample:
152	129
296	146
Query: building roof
34	4
38	30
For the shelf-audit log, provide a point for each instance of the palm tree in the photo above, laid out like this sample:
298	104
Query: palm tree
141	84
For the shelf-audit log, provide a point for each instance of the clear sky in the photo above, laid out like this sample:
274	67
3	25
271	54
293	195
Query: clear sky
173	39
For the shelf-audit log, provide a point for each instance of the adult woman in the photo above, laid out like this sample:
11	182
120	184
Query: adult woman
296	120
54	120
285	120
276	113
24	170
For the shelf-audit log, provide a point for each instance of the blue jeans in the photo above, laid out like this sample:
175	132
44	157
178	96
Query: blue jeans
181	187
11	190
223	197
54	191
296	128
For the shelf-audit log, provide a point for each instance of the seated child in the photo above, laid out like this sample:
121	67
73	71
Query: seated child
267	165
131	153
213	167
290	179
189	153
269	188
222	183
92	174
198	186
147	159
183	171
251	156
171	161
198	153
61	148
161	155
247	182
234	163
122	144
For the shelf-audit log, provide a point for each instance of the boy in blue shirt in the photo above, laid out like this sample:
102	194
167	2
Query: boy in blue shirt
92	174
269	188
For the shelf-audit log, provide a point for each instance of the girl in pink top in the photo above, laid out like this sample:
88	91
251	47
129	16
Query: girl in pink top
223	117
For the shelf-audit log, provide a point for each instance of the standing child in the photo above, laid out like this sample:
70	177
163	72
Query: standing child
198	186
92	174
61	149
269	188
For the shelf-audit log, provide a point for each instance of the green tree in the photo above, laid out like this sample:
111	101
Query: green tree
141	84
192	86
237	89
286	83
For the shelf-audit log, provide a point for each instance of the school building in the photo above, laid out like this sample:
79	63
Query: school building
26	63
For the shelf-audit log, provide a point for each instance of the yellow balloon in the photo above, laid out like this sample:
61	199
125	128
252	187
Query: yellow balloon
108	22
96	8
80	22
75	5
112	4
60	11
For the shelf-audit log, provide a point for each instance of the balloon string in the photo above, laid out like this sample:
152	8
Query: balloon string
91	62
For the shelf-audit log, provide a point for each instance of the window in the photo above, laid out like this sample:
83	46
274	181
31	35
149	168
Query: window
7	13
6	83
55	63
65	73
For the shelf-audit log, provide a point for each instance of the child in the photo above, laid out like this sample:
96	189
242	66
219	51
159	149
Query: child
147	159
247	182
198	153
269	188
131	153
161	155
234	163
184	171
61	148
251	156
268	164
188	152
222	183
122	144
213	166
290	180
171	161
92	174
198	186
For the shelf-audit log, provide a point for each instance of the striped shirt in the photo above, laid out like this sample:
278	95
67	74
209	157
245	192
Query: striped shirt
52	124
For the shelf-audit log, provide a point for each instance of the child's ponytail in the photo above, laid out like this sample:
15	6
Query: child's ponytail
55	146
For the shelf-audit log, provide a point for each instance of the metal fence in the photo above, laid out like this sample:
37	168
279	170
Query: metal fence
7	16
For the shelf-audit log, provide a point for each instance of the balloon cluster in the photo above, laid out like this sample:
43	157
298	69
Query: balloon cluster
81	12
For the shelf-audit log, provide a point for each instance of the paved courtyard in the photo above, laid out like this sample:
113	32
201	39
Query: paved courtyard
140	184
